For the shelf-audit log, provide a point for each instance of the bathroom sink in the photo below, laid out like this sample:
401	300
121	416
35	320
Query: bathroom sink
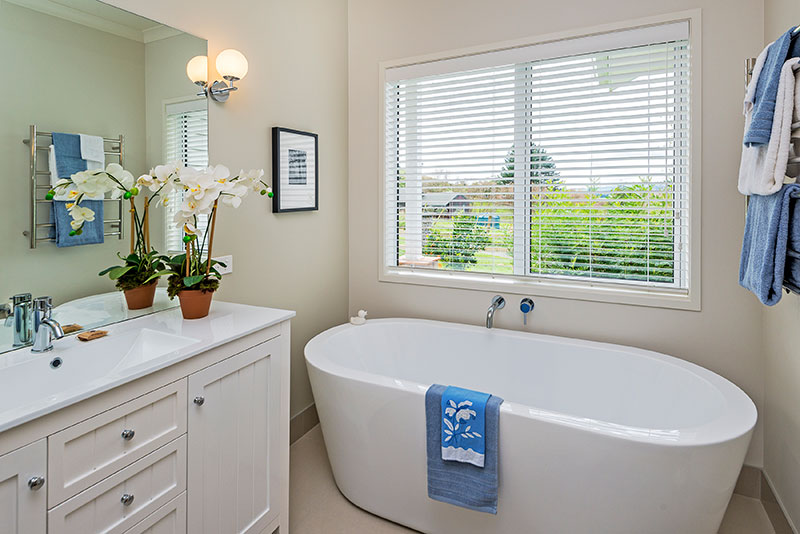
73	367
36	384
149	345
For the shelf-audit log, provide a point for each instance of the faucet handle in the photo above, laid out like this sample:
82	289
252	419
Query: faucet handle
21	298
43	304
525	306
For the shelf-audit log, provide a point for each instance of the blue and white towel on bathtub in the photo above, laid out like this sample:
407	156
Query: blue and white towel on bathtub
464	425
462	484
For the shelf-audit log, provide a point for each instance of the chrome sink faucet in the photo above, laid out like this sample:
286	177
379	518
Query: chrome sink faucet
498	302
45	328
19	315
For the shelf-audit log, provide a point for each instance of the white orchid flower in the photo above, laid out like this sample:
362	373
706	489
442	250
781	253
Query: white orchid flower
162	173
79	215
90	183
201	185
148	181
62	184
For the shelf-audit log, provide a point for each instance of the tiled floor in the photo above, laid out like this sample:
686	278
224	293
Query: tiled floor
317	507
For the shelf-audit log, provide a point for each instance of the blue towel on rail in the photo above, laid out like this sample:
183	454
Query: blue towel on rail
92	233
463	425
462	484
68	154
767	92
766	233
791	275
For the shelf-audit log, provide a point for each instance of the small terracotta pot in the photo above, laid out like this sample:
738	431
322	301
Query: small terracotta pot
141	297
195	303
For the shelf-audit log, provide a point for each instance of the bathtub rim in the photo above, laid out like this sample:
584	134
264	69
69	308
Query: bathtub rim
739	418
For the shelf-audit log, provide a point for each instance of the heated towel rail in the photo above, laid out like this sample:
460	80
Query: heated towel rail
39	144
749	65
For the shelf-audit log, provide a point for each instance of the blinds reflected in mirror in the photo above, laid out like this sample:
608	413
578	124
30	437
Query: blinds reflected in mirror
185	141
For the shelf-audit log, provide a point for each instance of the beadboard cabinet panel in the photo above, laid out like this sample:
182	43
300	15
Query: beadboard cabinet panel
231	442
23	499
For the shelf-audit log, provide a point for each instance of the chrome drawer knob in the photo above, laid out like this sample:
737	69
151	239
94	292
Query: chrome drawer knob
199	400
127	499
128	434
36	483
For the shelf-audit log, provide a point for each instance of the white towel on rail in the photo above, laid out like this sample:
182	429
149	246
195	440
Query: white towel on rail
93	151
763	168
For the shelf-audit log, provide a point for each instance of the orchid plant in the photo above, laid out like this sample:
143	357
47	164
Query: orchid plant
143	265
203	191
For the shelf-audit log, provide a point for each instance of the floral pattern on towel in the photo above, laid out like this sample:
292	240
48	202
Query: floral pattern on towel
456	415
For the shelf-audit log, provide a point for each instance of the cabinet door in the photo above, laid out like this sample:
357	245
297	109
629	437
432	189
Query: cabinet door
233	418
23	500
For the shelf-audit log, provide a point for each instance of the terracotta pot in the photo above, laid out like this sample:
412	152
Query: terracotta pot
195	303
141	297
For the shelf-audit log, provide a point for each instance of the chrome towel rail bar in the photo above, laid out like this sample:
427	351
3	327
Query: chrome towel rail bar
39	141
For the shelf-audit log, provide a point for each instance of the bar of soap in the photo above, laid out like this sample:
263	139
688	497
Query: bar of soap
70	328
92	334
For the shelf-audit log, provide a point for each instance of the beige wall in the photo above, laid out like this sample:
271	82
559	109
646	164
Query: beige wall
725	336
298	78
782	347
62	77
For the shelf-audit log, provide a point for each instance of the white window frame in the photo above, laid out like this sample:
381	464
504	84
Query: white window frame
594	290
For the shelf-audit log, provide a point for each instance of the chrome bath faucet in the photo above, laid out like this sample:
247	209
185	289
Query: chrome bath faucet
498	302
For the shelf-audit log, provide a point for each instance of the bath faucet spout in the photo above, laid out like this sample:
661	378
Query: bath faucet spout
498	302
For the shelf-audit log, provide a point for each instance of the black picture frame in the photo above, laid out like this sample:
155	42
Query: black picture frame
297	166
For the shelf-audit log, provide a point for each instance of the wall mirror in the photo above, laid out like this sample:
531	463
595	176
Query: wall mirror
85	67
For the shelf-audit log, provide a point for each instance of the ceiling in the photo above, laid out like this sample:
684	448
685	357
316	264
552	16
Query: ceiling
100	16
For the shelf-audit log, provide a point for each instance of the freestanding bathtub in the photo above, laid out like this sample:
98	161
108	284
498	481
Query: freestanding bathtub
594	438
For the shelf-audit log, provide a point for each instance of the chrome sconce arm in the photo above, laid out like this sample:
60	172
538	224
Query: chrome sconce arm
218	91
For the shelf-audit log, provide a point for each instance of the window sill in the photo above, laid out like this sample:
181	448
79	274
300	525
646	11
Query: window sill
612	293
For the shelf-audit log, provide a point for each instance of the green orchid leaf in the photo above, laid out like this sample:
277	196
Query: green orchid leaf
189	281
118	271
107	270
156	275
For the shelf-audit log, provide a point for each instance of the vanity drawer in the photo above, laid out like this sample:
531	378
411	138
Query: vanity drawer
169	519
146	485
88	452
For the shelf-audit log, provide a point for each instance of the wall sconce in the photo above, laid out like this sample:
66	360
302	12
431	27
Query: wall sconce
230	63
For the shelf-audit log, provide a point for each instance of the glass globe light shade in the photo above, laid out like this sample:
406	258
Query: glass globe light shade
232	64
197	69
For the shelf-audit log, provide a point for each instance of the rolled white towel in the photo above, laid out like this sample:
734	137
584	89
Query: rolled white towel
763	168
93	151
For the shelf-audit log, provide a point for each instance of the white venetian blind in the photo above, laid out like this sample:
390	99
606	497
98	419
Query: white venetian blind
563	160
185	141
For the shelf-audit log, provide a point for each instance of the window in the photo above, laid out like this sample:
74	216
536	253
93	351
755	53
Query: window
559	163
185	141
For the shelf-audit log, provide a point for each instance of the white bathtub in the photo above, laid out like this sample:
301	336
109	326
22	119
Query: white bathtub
594	438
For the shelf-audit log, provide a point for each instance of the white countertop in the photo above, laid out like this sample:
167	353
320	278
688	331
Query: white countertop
30	388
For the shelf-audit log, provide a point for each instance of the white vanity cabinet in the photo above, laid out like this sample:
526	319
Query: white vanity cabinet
200	446
231	444
23	501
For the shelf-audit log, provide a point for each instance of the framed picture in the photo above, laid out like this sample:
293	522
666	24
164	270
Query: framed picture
295	170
